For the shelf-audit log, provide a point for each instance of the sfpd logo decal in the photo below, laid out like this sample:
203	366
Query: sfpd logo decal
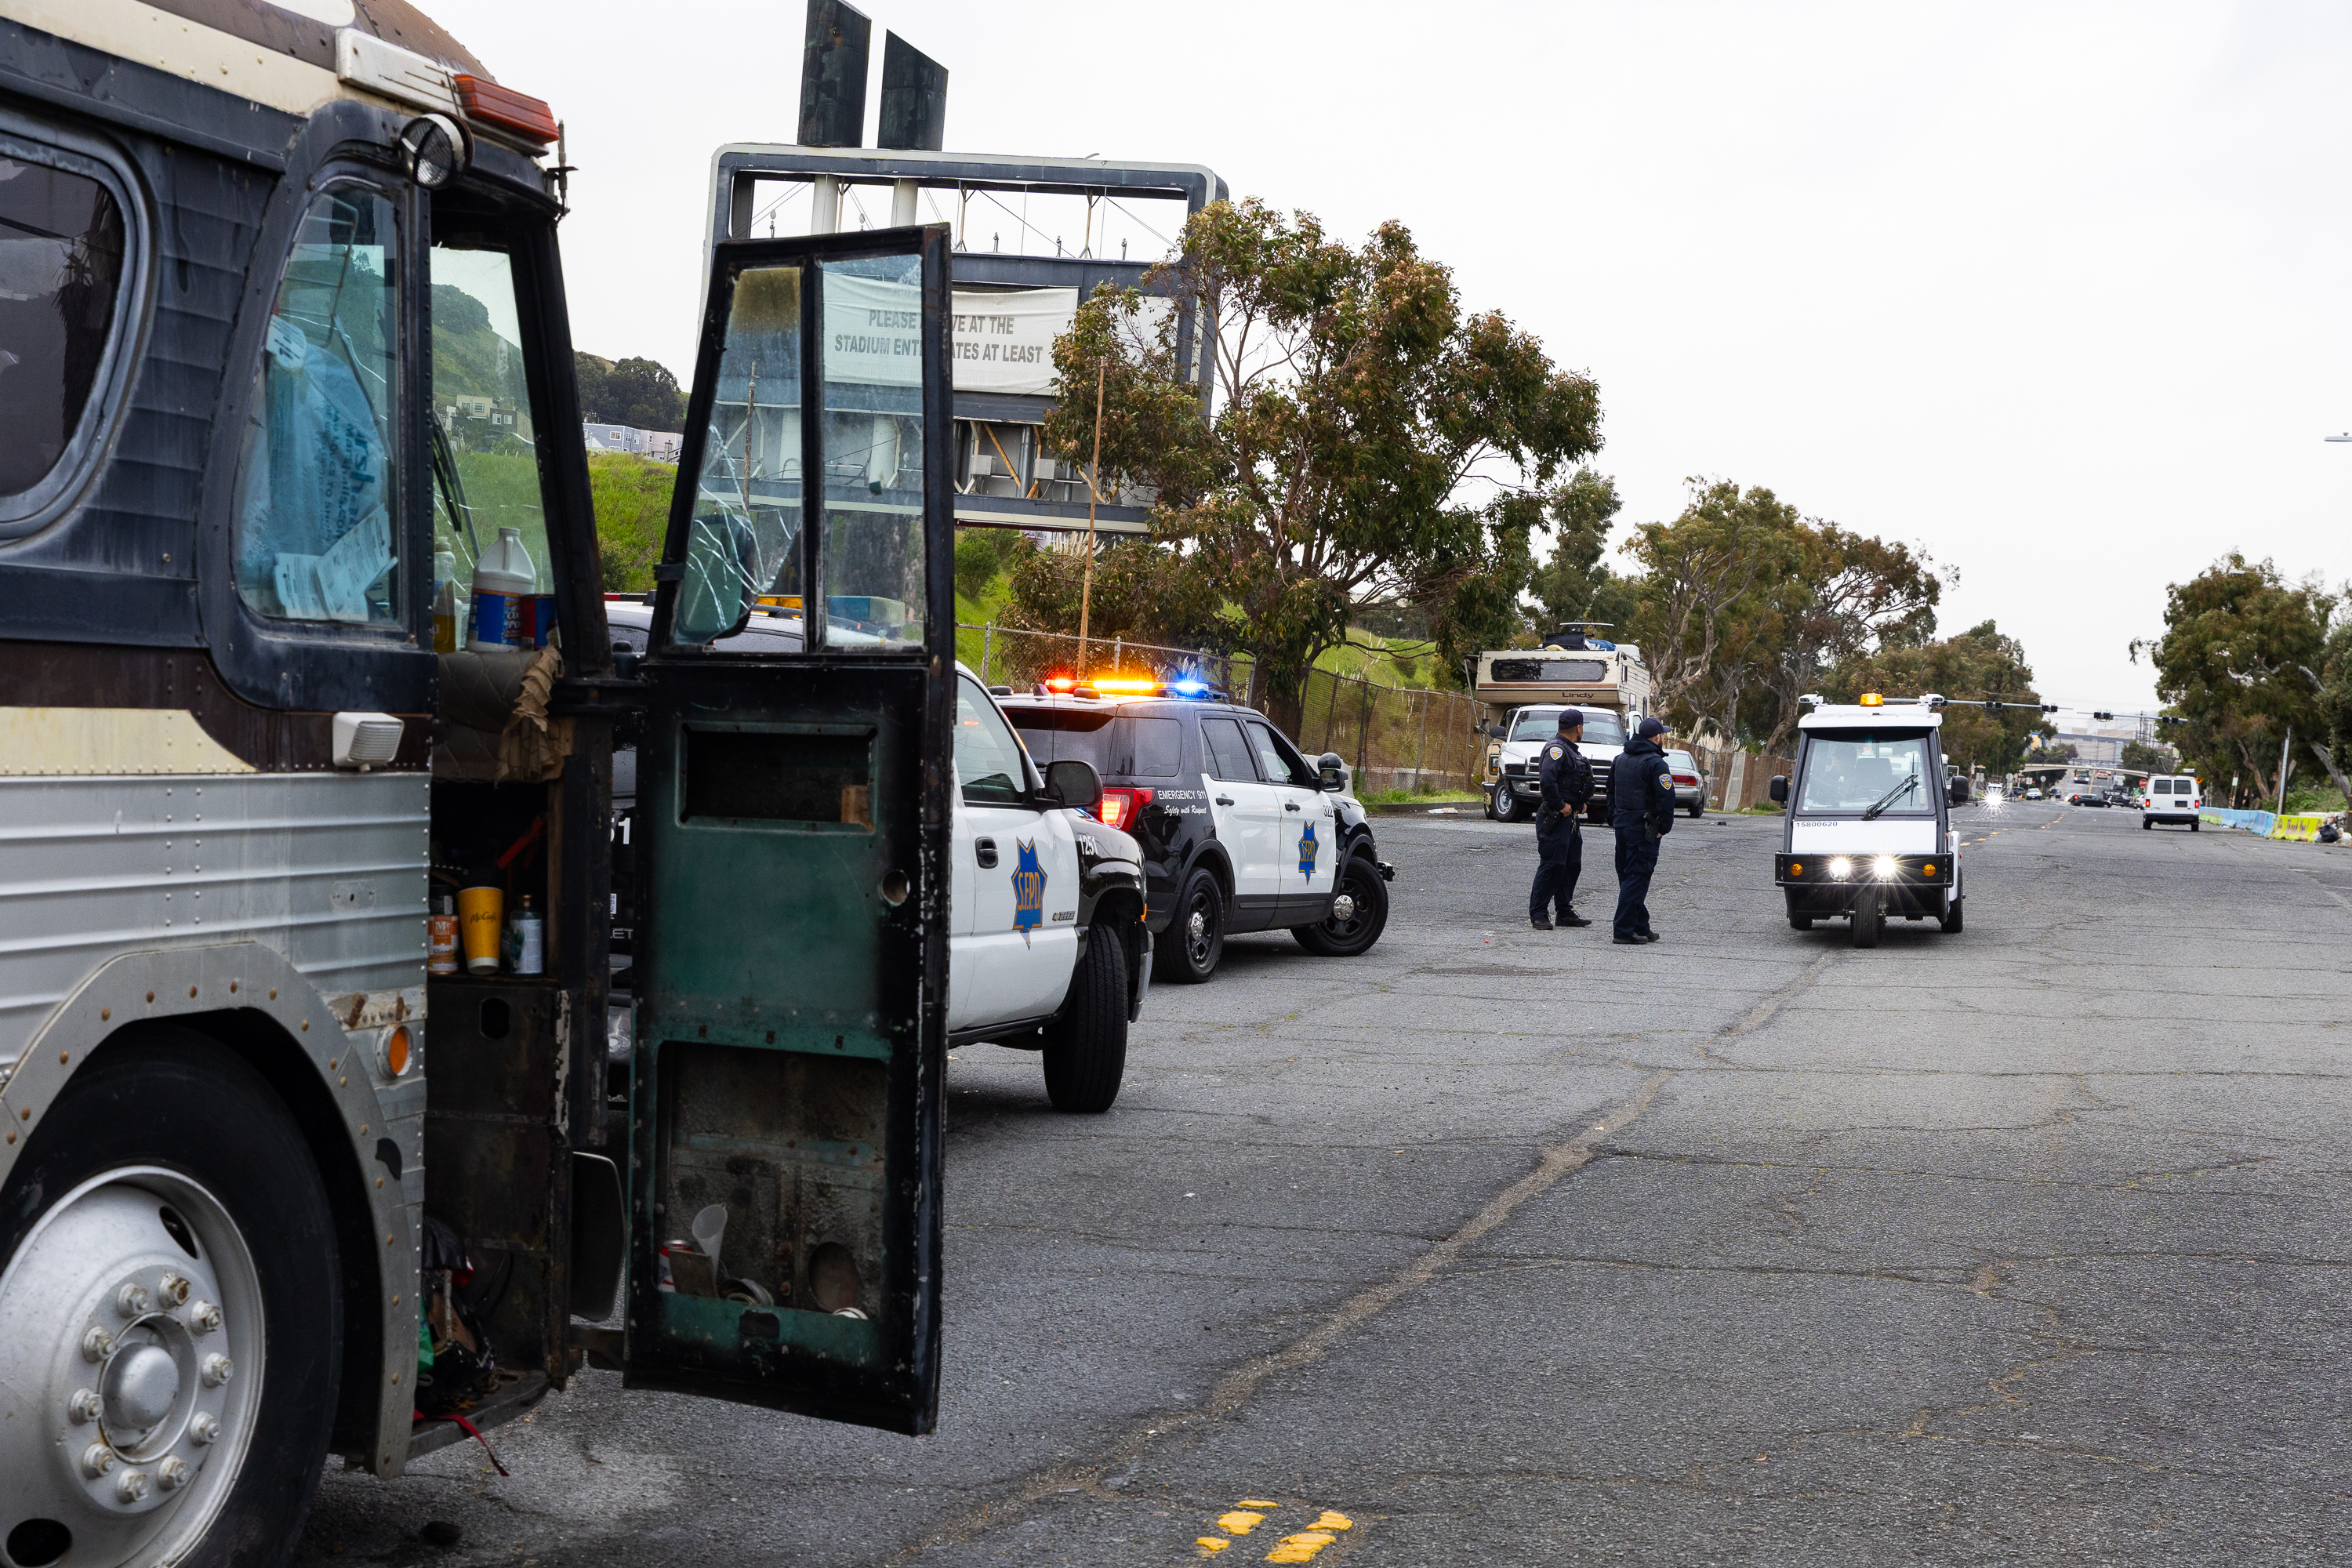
1028	891
1307	850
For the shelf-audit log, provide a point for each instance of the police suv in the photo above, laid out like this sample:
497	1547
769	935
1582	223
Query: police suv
1238	831
1047	950
1869	832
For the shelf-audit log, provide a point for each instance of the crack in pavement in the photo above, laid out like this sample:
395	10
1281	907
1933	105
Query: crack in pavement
1237	1386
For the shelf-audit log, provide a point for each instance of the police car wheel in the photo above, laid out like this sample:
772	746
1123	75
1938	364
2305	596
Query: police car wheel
181	1286
1188	950
1359	913
1085	1045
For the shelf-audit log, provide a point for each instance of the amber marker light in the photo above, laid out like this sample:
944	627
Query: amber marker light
1873	700
395	1052
1929	869
1124	683
1796	868
516	113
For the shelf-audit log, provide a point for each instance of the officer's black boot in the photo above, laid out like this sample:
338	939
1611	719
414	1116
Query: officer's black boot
1573	919
1541	922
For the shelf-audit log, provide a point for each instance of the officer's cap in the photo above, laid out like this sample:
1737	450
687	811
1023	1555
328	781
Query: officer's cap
1570	719
1650	727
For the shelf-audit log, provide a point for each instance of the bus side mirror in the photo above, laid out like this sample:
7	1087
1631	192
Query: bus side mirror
1959	790
1779	789
1073	783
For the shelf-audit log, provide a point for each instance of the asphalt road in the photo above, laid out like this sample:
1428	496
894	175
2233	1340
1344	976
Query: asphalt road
2027	1245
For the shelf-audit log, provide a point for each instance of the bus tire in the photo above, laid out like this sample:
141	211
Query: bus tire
1085	1045
168	1143
1953	915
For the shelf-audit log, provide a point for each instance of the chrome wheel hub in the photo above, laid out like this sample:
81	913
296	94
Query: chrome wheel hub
128	1398
1343	909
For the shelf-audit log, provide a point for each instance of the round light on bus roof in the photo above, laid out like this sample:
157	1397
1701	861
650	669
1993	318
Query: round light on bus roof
435	149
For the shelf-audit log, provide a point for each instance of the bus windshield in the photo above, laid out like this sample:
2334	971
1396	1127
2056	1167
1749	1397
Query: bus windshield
1866	771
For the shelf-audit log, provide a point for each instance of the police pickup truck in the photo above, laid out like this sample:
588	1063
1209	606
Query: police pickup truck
1869	832
1047	949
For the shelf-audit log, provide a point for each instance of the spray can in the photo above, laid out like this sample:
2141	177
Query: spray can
527	941
503	580
449	615
441	936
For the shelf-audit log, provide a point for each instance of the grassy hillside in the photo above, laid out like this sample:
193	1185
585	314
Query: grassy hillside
632	496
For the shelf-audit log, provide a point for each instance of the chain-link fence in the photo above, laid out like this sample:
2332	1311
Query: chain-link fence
1395	737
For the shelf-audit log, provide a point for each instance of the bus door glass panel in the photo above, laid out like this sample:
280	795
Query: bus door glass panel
745	548
317	536
793	834
1246	813
483	446
1022	868
873	496
1304	828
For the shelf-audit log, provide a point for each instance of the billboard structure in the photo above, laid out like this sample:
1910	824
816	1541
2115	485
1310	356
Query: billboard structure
1008	308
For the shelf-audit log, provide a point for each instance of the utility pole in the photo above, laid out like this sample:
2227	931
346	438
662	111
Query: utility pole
1094	493
2284	746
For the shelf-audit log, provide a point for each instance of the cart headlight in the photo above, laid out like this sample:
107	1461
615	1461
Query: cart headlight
1841	868
1886	867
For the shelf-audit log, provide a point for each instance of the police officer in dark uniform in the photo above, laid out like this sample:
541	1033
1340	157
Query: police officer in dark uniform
1560	839
1642	809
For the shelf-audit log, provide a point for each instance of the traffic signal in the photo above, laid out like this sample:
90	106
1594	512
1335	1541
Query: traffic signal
2050	708
2103	717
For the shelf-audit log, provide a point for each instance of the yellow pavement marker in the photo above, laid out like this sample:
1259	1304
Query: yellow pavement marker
1239	1522
1303	1546
1256	1502
1211	1545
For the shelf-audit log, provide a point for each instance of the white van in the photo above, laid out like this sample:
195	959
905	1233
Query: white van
2172	798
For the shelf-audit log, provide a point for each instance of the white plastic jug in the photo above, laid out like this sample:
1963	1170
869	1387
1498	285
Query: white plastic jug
503	579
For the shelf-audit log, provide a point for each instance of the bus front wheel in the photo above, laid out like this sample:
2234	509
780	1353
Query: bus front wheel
170	1301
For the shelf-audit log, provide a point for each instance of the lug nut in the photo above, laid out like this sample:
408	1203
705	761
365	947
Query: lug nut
85	1406
204	1318
133	1301
172	1473
175	1289
204	1427
96	1460
218	1370
130	1486
95	1344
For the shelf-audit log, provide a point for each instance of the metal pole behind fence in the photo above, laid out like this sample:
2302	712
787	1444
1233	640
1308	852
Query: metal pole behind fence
1422	744
987	646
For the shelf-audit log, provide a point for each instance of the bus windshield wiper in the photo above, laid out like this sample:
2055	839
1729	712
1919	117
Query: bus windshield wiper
1891	796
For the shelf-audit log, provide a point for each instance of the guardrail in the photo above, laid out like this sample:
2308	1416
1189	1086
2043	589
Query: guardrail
2264	824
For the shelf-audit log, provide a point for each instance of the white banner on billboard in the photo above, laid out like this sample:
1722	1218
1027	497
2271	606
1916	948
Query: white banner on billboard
999	341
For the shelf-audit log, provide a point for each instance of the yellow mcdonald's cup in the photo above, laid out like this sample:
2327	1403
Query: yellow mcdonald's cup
481	919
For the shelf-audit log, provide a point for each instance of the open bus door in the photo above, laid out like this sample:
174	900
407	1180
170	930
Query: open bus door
792	826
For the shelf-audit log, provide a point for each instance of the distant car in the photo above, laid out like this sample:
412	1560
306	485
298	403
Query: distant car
2098	800
1690	788
2032	794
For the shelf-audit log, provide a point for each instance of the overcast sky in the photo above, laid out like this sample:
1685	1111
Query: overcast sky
2057	293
